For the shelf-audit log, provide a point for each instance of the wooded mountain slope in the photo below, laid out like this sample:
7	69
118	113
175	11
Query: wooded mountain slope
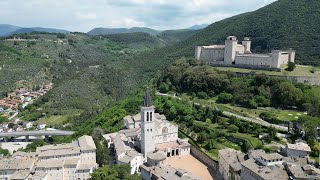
281	25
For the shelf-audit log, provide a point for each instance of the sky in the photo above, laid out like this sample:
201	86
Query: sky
84	15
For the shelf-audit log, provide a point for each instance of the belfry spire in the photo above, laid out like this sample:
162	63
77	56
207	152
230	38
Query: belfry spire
147	99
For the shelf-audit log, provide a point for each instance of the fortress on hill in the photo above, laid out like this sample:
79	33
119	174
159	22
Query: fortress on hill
240	55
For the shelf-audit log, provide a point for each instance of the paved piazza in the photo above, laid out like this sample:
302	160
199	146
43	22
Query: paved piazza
191	164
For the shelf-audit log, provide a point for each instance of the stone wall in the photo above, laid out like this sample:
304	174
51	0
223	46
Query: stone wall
211	164
243	66
312	80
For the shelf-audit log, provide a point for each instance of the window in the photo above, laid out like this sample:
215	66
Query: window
150	116
147	116
164	130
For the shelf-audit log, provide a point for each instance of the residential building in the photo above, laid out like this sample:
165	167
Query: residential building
41	126
72	161
253	170
27	125
230	163
298	149
16	167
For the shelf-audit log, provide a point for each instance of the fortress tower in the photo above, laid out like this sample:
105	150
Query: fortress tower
247	45
230	50
147	126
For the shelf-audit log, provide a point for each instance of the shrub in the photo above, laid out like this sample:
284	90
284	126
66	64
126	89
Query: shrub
291	66
164	88
225	98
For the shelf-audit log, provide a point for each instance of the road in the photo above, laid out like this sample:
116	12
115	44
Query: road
258	121
14	115
36	133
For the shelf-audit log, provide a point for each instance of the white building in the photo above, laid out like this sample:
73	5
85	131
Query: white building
300	149
41	126
148	135
27	125
240	55
270	159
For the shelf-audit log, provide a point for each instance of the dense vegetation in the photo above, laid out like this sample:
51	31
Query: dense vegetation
106	31
114	172
87	72
251	91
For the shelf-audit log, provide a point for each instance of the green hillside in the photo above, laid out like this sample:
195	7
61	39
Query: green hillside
106	31
177	35
87	72
281	25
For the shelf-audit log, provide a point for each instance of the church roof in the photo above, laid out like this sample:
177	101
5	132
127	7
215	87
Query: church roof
147	99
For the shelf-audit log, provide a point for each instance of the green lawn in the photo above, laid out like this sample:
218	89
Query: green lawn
299	71
283	115
253	140
53	120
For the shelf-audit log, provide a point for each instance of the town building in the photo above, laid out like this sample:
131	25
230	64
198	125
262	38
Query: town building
253	170
302	172
27	125
16	167
298	149
41	126
230	163
234	54
147	138
72	161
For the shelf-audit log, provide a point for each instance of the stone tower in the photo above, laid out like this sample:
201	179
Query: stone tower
247	45
147	125
230	50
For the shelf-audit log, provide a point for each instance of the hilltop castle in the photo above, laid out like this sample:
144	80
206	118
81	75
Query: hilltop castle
240	55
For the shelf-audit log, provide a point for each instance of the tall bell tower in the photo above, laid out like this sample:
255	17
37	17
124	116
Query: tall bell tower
147	125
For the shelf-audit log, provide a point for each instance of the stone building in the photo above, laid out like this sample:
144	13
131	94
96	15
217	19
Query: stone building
230	163
240	55
146	137
72	161
263	166
299	149
76	160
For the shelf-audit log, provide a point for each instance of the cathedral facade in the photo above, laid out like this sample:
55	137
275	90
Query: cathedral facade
147	137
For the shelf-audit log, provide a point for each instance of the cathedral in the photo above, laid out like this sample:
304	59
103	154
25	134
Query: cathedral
147	138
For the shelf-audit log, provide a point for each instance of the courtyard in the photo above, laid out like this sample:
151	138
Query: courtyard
191	164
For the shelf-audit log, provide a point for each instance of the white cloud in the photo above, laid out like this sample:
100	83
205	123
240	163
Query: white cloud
127	22
83	15
86	16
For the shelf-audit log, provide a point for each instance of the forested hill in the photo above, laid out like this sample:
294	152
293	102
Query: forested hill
106	31
280	25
